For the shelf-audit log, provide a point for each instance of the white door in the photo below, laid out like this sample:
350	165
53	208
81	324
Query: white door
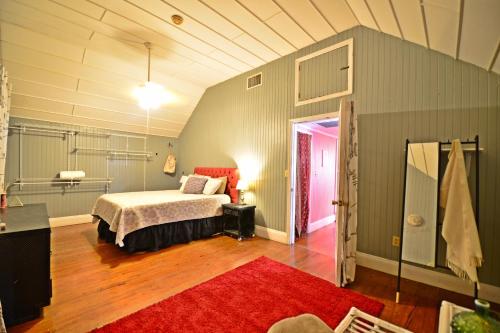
347	161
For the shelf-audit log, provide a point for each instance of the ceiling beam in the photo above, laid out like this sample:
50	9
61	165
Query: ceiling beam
352	11
459	33
397	20
494	58
424	20
323	16
264	22
294	20
373	16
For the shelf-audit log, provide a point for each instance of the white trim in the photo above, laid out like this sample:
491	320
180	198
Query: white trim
427	276
350	63
271	234
256	74
69	220
318	224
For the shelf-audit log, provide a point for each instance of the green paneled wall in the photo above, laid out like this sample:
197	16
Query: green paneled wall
401	91
44	155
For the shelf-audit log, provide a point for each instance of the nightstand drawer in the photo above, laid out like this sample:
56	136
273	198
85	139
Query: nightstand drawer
233	212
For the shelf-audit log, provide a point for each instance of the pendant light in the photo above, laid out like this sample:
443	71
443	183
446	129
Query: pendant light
150	95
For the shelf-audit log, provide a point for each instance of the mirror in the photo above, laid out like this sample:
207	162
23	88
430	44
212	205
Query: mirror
421	196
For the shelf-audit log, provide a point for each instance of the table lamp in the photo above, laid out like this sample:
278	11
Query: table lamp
242	186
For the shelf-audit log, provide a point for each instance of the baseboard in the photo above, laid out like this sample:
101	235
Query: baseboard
318	224
433	278
69	220
272	234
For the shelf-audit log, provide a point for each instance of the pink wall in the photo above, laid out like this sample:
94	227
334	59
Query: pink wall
323	186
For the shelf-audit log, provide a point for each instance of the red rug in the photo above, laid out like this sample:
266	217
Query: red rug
249	298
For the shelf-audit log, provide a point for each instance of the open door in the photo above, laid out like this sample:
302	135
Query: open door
347	194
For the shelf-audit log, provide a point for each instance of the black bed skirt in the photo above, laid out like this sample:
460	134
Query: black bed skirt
160	236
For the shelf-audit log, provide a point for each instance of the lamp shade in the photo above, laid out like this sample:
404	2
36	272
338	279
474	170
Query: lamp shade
242	185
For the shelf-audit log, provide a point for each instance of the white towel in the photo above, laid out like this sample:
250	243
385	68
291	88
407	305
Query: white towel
463	252
72	174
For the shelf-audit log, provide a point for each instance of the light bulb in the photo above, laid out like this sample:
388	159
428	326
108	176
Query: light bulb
151	96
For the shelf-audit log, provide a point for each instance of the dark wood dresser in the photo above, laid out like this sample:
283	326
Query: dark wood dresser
25	284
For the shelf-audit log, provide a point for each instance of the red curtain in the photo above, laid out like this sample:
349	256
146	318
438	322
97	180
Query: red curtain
302	183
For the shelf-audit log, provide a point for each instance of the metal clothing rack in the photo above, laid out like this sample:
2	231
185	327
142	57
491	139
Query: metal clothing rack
73	133
476	149
59	181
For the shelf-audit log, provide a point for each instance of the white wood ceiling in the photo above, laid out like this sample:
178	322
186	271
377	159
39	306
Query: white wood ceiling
77	61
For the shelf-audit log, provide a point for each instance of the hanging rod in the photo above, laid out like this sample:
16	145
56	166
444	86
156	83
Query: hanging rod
42	129
148	154
57	181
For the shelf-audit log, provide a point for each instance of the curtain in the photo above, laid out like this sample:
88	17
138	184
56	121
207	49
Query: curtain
348	181
302	183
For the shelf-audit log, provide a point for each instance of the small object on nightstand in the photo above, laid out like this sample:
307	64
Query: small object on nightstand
239	220
3	226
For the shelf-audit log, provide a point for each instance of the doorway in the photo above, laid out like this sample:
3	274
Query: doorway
313	184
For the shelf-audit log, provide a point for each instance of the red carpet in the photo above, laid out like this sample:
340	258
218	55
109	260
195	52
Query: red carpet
249	298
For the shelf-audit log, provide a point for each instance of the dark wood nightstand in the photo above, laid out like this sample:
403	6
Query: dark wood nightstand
239	220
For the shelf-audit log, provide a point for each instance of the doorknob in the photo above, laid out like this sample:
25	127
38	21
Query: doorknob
339	202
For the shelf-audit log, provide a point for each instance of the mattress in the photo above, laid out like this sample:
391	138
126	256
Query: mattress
131	211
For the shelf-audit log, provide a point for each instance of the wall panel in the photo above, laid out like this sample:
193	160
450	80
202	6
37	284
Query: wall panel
401	90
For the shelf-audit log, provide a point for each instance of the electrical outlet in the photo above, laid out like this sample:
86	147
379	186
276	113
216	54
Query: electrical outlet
395	241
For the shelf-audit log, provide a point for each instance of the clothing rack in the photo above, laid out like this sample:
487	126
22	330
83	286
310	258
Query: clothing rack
476	149
58	181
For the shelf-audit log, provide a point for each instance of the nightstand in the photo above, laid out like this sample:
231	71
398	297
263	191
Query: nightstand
239	220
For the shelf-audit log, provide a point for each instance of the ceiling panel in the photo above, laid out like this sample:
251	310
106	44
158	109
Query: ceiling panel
67	14
362	13
27	38
382	11
307	17
338	13
78	61
286	27
252	25
83	6
442	19
263	9
35	103
207	16
411	21
481	18
211	37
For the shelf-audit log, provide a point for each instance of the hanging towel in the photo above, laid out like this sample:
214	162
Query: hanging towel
463	251
170	164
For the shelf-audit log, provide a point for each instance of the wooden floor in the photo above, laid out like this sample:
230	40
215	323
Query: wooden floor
95	283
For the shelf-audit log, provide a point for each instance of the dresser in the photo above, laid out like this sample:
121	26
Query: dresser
25	284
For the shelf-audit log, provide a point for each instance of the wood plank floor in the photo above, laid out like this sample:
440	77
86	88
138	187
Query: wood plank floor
95	283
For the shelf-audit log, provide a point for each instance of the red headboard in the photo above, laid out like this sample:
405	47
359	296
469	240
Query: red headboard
232	174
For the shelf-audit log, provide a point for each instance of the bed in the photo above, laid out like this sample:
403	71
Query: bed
152	220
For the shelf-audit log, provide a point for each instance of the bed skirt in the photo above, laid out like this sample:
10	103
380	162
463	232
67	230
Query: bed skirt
160	236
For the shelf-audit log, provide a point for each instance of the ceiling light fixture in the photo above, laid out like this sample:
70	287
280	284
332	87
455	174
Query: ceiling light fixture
150	95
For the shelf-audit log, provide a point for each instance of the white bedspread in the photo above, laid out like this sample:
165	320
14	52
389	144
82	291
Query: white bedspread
131	211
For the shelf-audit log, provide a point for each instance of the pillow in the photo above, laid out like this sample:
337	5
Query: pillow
183	181
194	185
222	187
212	186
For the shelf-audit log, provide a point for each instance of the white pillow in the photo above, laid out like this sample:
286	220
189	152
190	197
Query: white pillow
211	186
